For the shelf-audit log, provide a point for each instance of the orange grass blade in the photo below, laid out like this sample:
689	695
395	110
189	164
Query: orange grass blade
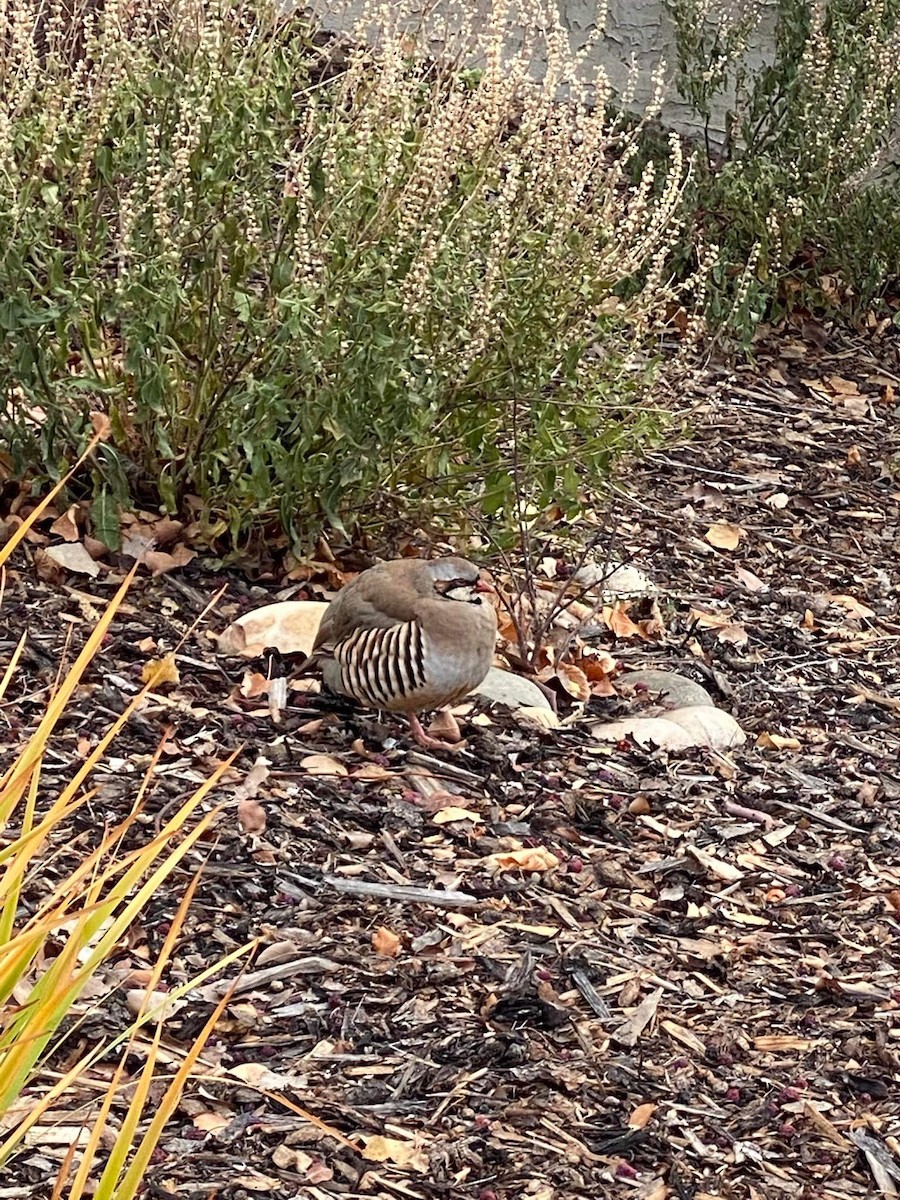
15	872
13	663
93	1143
35	748
167	1105
55	992
102	1049
125	1139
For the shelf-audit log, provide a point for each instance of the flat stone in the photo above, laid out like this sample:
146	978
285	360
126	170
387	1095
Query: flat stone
288	625
709	726
615	581
645	731
502	687
674	691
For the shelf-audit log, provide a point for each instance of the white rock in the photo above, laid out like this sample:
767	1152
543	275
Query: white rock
673	690
645	731
708	726
616	581
680	729
288	626
502	687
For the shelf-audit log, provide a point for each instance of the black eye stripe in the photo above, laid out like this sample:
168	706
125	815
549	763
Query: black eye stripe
447	585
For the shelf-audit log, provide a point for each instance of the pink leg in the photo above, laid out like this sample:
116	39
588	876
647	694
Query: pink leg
425	740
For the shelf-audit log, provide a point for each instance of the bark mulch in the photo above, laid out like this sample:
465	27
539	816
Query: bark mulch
698	1001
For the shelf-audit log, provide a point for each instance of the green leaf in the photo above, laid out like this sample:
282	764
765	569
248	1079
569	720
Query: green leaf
105	524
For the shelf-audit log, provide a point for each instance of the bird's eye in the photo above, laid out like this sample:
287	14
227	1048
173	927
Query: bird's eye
450	585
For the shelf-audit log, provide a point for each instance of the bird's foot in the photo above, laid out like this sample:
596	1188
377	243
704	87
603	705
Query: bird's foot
451	741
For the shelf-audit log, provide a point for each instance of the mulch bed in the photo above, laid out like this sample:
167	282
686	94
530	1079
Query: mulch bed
695	1002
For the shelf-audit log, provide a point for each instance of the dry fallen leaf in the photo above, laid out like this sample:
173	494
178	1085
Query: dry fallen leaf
101	425
372	772
160	563
856	407
323	764
641	1116
66	526
253	780
724	537
777	741
159	1003
211	1122
628	1033
163	669
851	604
533	717
841	386
618	621
74	557
254	684
446	816
257	1075
385	942
402	1154
444	725
574	681
529	858
252	816
751	582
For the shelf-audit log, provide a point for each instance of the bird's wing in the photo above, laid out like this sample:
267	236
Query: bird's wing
375	600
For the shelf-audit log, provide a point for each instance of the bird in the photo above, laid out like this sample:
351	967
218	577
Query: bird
409	635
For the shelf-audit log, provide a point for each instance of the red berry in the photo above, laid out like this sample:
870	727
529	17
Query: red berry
733	1095
543	974
625	1171
787	1130
788	1095
576	866
837	862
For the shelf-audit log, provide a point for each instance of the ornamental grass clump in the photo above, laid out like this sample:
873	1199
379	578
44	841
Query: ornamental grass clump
62	922
301	272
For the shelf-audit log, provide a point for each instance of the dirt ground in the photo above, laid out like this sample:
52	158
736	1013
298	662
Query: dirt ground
699	1000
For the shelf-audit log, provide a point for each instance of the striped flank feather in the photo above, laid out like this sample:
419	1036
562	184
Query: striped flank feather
382	666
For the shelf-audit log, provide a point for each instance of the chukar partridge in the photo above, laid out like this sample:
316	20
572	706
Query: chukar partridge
409	635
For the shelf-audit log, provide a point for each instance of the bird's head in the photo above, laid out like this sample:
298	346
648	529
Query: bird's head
458	579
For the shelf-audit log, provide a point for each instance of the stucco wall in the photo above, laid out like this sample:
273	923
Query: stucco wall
635	30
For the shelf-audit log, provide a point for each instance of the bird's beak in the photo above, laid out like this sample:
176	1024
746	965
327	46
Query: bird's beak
482	585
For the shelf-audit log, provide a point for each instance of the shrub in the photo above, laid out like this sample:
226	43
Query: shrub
302	275
801	196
